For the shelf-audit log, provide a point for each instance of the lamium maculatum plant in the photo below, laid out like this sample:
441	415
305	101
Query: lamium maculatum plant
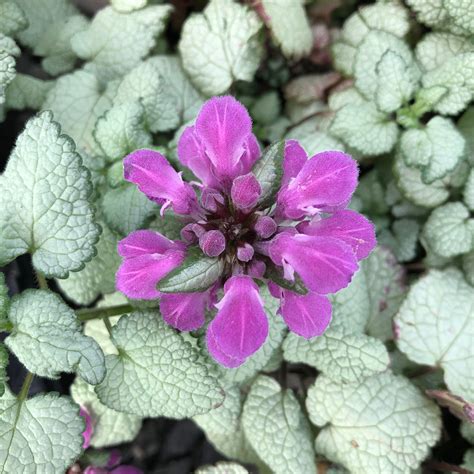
239	232
276	218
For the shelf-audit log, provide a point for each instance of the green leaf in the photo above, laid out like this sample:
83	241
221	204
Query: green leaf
223	429
364	128
269	170
449	231
220	46
110	427
373	297
434	327
169	225
77	100
468	266
371	193
402	239
339	353
223	468
469	191
98	276
47	338
4	300
43	434
196	273
12	18
8	51
384	68
467	430
121	130
55	45
382	424
414	189
126	209
3	369
277	428
436	149
438	47
44	193
461	13
391	18
457	75
156	372
27	92
289	25
115	42
125	6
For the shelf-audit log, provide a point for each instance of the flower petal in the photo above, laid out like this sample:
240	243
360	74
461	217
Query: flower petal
324	264
144	242
294	159
156	178
137	277
306	315
217	353
325	182
349	226
240	327
88	432
223	127
245	191
184	311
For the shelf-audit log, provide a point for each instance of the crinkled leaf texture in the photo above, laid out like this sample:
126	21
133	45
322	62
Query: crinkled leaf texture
43	434
290	26
223	468
12	18
277	428
221	46
8	51
340	354
44	198
156	373
47	338
110	427
27	92
380	425
98	276
115	42
434	327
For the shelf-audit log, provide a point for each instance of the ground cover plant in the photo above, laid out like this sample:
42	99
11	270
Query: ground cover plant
256	216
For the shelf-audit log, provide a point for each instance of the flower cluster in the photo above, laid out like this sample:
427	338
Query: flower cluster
302	242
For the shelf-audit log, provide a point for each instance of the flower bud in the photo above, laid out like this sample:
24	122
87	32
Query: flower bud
245	253
265	227
245	191
212	243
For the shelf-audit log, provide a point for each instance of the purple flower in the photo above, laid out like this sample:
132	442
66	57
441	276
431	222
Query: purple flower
89	431
305	233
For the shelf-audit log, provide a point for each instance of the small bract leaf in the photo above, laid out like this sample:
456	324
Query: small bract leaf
449	231
98	276
45	209
277	429
47	338
220	46
269	170
339	353
382	424
436	150
115	43
434	327
196	273
110	427
43	434
364	128
156	372
289	25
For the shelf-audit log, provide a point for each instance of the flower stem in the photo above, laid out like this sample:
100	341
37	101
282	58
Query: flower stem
25	388
42	282
101	313
108	325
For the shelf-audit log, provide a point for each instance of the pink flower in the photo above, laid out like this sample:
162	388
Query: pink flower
306	232
89	431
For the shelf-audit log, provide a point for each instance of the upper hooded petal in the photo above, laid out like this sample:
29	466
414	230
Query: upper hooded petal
294	159
144	242
156	178
325	182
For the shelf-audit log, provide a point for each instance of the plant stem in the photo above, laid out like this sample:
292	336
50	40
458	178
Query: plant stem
108	325
42	282
100	313
25	388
